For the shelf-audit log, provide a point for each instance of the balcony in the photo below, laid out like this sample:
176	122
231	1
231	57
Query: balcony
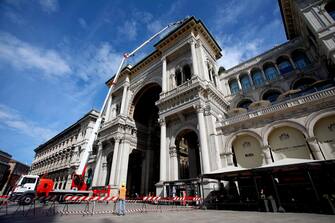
297	101
188	93
181	88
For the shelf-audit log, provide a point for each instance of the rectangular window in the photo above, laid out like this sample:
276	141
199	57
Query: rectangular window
28	180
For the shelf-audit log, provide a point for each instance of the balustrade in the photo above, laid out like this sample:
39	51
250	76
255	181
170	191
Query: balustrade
281	106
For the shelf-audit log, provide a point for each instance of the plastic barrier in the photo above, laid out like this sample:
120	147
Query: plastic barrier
88	209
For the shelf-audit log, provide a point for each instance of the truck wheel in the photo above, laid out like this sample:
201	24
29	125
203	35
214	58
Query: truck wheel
27	199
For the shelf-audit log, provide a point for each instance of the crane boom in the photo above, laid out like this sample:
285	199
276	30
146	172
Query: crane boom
78	178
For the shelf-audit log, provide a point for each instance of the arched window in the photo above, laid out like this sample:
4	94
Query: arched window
233	86
303	83
178	77
284	65
257	77
330	8
300	59
270	71
187	72
244	103
245	82
271	95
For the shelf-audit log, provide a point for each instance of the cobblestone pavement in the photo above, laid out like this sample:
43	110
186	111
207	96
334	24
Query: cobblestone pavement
193	216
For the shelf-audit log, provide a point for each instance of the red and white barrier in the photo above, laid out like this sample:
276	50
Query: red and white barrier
151	198
90	198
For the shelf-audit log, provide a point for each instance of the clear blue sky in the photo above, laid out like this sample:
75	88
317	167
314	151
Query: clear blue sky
55	55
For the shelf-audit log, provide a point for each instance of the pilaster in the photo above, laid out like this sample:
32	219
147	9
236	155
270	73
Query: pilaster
203	139
163	151
315	148
98	166
194	58
174	162
164	77
112	179
267	154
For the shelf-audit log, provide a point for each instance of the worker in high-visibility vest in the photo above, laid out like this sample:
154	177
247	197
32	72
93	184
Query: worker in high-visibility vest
122	199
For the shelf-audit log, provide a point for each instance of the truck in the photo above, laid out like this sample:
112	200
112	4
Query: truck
30	186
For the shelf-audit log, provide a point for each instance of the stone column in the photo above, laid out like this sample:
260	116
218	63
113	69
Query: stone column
203	139
163	151
315	148
224	162
75	153
227	87
203	63
267	154
68	182
124	162
164	79
213	134
124	97
108	108
239	83
174	162
229	158
292	63
250	80
98	166
112	179
277	68
194	58
264	76
103	170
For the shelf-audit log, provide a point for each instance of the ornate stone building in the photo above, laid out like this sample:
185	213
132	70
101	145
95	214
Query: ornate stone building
60	156
176	115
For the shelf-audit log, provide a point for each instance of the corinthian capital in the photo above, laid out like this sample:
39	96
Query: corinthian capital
161	121
199	108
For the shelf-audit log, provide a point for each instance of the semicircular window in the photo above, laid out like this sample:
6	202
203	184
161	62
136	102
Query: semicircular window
244	103
303	83
271	95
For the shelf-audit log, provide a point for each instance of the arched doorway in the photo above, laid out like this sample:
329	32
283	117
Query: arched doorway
288	142
324	131
143	164
247	150
187	144
135	172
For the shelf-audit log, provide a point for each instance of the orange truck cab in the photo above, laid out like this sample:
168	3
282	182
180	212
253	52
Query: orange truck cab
44	187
